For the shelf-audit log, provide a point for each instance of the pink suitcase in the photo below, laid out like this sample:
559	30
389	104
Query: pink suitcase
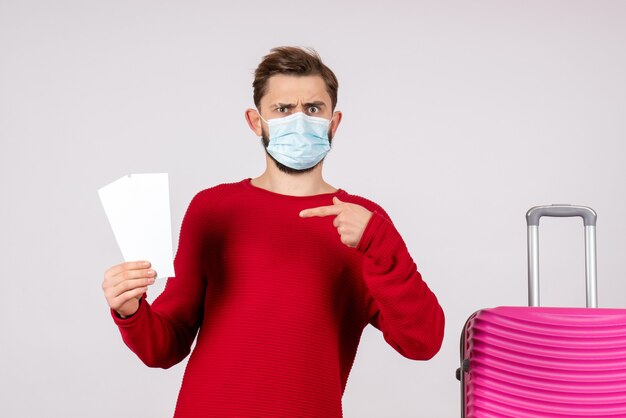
522	362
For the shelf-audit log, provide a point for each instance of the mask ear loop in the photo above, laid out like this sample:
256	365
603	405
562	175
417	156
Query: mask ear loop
262	118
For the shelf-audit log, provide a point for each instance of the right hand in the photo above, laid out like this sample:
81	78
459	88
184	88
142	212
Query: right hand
125	284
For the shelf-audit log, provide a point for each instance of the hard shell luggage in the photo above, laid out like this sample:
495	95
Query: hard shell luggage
522	362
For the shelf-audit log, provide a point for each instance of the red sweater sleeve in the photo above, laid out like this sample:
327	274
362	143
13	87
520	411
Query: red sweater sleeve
400	304
161	334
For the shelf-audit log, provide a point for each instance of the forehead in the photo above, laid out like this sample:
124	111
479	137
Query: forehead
292	89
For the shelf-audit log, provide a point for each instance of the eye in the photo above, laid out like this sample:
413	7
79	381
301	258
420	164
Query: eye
282	109
313	109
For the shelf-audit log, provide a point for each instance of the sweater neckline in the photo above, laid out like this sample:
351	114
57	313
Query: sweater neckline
247	183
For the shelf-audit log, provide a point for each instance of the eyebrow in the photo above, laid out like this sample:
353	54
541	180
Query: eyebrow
316	103
308	104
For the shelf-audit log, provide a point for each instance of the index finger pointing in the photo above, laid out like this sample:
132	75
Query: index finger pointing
321	211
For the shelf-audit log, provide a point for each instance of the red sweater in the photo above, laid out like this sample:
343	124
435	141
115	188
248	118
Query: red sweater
280	304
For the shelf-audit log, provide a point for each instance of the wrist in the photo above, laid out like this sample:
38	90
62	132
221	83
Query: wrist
128	311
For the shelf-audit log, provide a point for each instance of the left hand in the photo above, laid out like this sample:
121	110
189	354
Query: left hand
350	219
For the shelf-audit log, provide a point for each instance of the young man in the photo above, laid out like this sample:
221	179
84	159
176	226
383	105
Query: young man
280	274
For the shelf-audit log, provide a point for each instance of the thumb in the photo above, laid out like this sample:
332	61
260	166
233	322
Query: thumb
336	201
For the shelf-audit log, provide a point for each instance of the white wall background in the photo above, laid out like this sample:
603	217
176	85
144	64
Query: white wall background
458	117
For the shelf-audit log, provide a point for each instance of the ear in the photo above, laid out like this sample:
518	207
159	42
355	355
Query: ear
334	124
254	121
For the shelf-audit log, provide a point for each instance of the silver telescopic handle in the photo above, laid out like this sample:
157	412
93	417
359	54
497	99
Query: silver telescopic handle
589	219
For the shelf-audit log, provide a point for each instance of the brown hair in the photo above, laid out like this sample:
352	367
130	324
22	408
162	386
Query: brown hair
293	61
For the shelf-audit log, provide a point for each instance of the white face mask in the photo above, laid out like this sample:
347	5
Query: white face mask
298	141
